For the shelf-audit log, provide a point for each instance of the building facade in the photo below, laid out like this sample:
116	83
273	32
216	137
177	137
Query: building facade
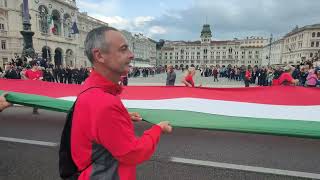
296	46
60	46
144	49
275	53
207	52
301	44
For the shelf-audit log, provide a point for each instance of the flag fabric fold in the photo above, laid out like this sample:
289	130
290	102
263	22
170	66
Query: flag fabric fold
280	110
51	25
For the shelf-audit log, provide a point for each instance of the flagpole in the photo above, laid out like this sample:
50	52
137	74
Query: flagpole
46	40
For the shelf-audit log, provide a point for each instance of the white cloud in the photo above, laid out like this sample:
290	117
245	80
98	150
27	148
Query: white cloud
142	20
157	30
114	21
109	7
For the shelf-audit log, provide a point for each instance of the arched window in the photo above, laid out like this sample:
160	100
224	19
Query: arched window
318	34
57	22
67	24
313	34
43	20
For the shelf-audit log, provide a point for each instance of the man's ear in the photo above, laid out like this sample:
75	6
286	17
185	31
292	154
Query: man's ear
97	56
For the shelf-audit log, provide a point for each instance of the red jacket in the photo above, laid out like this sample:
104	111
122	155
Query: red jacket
248	75
102	124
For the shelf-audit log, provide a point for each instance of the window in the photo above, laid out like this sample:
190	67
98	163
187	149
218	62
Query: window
318	34
3	44
1	26
311	54
313	34
317	44
43	20
312	44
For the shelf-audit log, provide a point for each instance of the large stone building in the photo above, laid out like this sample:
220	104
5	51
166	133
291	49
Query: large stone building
296	46
144	49
61	47
275	53
208	52
301	44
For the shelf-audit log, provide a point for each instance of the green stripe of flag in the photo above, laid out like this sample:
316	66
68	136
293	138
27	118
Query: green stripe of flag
188	119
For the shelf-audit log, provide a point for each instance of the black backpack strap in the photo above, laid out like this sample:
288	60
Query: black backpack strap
97	154
67	167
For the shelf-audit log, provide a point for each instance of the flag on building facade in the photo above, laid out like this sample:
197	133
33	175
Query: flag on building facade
279	110
74	28
52	29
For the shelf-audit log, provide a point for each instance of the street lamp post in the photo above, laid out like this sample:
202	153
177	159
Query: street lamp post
270	50
27	33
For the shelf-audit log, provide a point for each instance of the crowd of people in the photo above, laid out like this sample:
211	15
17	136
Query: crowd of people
46	72
145	72
306	74
17	68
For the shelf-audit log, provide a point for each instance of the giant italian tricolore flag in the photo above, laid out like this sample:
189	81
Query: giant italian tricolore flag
280	110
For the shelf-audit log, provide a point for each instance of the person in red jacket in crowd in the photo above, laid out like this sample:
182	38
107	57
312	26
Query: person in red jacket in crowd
188	78
247	77
286	78
34	74
103	141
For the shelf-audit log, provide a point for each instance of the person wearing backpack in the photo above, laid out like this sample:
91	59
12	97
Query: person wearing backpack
103	141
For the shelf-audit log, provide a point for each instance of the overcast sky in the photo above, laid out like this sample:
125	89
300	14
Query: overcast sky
183	19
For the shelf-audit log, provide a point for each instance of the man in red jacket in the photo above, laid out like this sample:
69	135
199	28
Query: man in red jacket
103	142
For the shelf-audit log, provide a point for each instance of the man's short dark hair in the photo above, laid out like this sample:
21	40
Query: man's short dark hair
96	39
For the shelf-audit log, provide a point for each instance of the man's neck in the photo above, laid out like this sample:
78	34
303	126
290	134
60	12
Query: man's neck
115	78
